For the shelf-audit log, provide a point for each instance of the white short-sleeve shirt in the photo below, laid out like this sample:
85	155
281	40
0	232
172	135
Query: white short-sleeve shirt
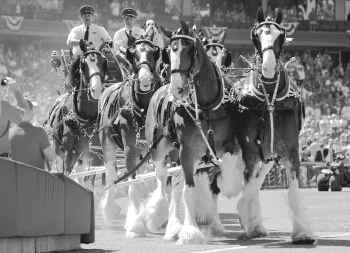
97	36
120	38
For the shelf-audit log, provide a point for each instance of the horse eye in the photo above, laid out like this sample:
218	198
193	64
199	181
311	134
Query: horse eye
174	46
92	58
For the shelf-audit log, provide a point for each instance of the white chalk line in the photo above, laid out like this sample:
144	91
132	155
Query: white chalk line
222	250
335	235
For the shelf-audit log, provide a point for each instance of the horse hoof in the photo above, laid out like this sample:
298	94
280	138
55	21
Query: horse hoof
257	233
131	235
217	229
190	235
305	240
243	237
137	227
172	231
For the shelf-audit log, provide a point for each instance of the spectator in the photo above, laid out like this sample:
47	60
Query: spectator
8	113
30	144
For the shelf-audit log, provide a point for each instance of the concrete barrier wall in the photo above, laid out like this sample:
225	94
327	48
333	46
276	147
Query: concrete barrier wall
34	202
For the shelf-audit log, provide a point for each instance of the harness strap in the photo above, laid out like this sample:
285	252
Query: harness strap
270	108
198	124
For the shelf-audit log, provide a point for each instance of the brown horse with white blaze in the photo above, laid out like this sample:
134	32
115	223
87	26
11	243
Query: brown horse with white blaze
181	113
268	131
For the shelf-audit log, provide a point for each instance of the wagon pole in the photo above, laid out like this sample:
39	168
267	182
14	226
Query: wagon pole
137	167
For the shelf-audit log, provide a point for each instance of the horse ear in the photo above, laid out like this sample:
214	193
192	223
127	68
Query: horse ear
184	27
260	15
165	56
130	52
156	53
205	41
131	40
222	37
194	29
83	45
279	17
167	33
228	58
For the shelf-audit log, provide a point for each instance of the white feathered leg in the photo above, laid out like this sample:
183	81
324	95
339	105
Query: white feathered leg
302	232
157	208
190	232
176	207
134	224
231	179
109	207
216	227
249	207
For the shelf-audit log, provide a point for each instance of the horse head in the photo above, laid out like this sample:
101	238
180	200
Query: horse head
144	55
186	56
218	54
91	68
268	37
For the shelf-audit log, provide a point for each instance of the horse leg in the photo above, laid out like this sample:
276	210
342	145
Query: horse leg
176	208
216	228
248	206
206	213
231	179
134	224
301	233
110	208
190	232
156	211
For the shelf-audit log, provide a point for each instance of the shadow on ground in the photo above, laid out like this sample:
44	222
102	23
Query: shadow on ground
88	251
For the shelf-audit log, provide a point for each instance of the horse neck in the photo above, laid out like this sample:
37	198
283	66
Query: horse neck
206	87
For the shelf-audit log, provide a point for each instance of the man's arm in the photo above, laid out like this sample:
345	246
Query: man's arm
21	102
118	42
45	146
105	35
50	156
10	112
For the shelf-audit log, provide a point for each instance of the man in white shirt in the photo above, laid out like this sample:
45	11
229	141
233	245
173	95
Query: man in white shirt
94	34
125	36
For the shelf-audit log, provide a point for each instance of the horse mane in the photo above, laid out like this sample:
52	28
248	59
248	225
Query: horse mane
75	71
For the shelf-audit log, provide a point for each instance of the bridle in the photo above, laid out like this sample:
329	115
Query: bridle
260	51
87	79
151	67
255	39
